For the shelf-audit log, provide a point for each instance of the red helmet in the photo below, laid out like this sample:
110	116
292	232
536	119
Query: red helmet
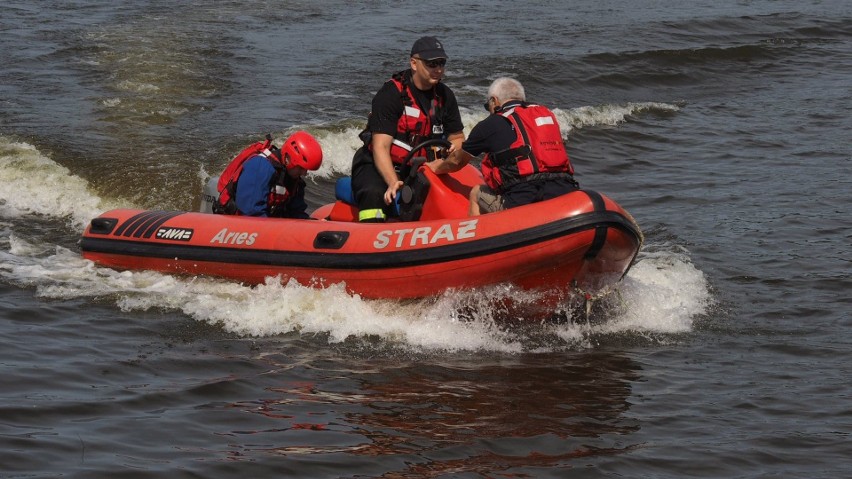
302	149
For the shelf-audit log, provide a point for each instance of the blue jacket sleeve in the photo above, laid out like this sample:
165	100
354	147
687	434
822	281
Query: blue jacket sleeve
253	187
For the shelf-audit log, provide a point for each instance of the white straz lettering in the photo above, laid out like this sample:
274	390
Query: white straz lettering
425	235
234	237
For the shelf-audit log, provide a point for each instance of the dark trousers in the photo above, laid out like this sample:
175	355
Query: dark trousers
368	186
537	190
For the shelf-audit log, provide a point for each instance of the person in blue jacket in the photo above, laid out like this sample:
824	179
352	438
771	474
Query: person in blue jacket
272	185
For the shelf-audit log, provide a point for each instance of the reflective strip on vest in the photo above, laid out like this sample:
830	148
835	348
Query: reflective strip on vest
405	146
412	112
374	214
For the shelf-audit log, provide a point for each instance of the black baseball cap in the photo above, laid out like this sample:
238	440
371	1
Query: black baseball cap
428	48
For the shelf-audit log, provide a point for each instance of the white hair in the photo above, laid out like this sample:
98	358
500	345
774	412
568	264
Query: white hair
506	89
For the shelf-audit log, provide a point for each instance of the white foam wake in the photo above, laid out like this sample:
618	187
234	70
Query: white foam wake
663	294
34	184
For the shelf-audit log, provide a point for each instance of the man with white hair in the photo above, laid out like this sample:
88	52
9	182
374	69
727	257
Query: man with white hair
525	159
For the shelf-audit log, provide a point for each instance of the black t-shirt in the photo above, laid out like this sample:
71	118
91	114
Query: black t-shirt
387	108
491	135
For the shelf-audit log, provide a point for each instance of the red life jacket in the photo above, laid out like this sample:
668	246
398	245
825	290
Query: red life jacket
283	188
414	126
537	152
227	185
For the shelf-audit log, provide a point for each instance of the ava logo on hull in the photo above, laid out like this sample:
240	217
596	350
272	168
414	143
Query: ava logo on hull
234	237
176	234
425	235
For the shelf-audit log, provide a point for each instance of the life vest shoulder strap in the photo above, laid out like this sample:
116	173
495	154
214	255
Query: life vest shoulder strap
227	183
519	151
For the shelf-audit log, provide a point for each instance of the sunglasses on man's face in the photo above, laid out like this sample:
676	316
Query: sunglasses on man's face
488	104
438	62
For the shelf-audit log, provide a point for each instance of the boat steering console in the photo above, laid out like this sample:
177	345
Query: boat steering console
415	184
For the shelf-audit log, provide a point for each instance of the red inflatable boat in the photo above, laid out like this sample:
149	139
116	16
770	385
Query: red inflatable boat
582	241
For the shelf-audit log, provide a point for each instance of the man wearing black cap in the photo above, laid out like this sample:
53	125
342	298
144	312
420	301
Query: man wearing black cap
412	107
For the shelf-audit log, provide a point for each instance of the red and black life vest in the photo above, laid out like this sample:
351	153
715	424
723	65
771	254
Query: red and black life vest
537	152
283	190
415	125
279	194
